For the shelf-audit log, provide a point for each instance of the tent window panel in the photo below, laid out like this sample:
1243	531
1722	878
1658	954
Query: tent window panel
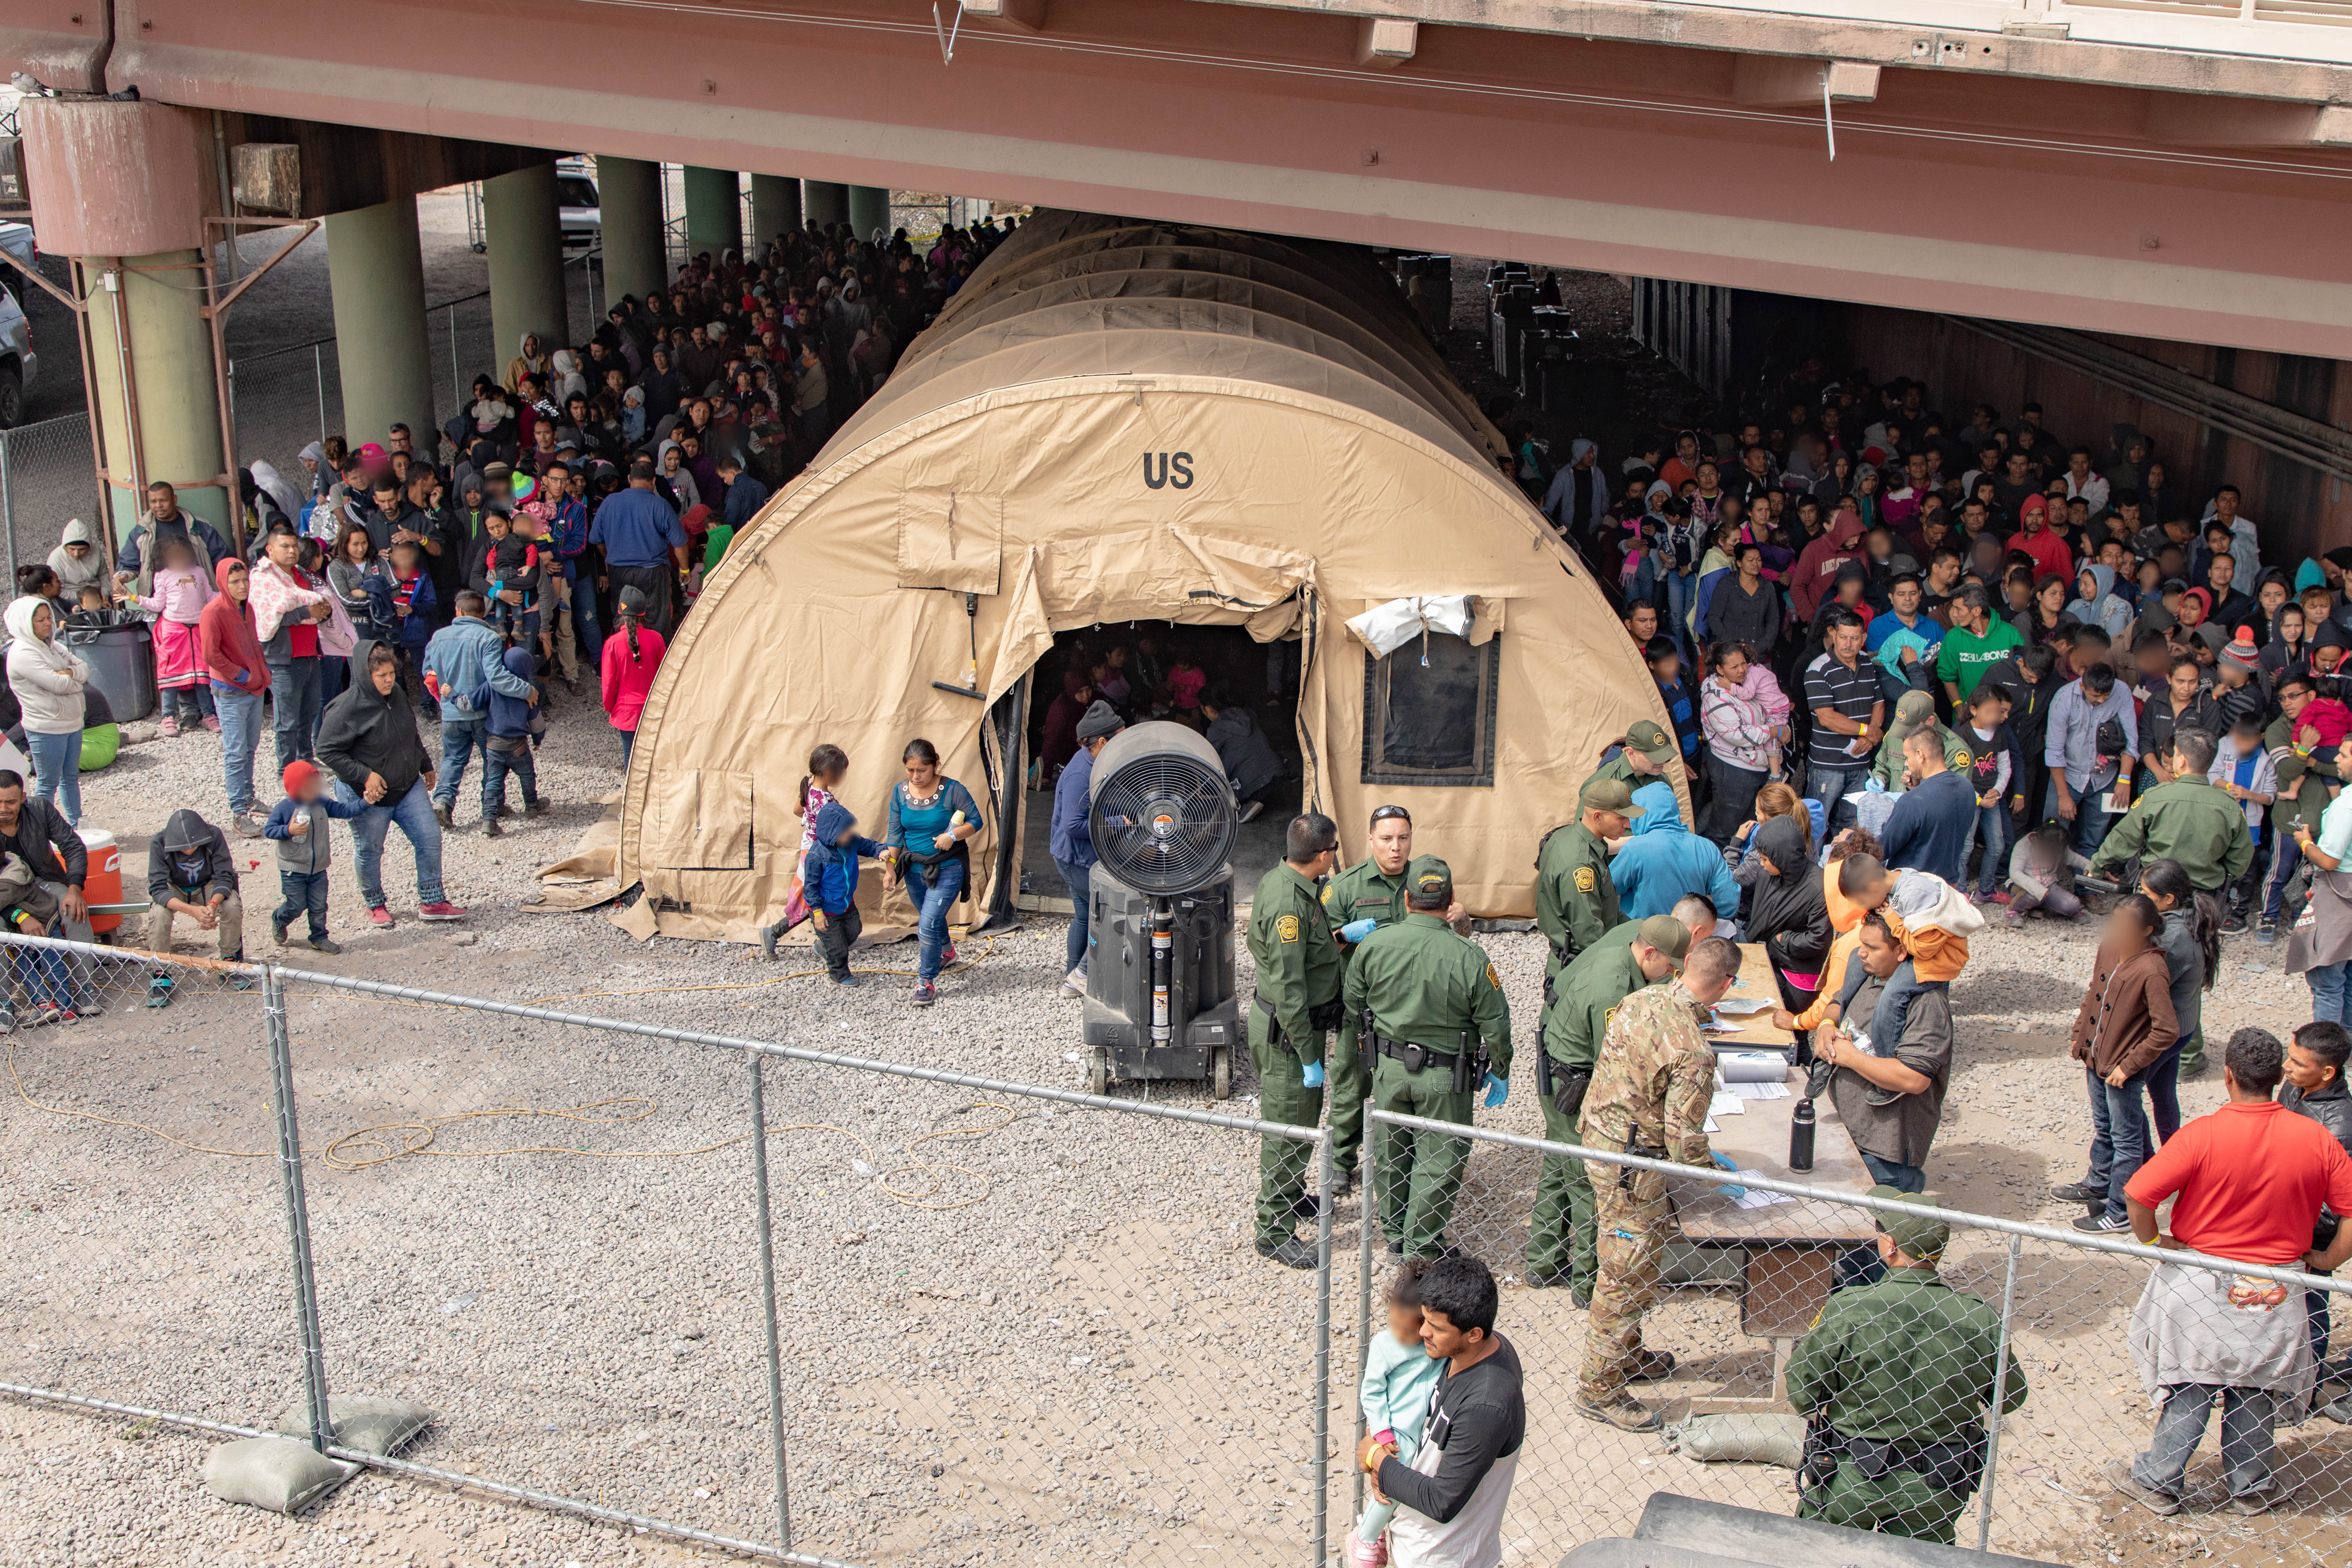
1433	723
698	820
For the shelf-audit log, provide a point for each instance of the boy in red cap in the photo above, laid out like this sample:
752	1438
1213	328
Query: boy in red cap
300	826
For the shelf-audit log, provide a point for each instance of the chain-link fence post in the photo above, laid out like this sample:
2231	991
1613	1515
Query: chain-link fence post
7	506
768	1293
298	1213
1999	1396
1323	1182
318	369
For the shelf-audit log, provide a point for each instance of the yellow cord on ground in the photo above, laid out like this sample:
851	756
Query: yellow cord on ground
418	1137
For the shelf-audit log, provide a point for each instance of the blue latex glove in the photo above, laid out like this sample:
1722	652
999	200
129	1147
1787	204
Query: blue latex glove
1499	1089
1357	931
1723	1161
1311	1074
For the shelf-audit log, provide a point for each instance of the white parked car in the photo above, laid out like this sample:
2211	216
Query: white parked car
579	210
18	362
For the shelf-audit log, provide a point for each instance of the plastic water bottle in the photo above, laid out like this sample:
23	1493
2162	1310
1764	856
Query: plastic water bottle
1801	1137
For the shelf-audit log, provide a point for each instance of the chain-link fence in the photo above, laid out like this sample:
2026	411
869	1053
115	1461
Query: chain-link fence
1747	1266
787	1302
48	473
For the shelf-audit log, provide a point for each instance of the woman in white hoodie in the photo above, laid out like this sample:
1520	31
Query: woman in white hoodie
47	681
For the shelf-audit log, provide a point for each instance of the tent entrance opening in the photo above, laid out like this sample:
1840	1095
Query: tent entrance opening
1240	693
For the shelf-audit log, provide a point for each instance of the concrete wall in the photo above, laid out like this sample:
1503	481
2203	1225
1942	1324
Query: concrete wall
2300	511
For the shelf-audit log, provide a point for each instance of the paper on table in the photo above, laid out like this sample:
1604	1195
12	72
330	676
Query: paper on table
1710	1126
1727	1103
1740	1006
1760	1090
1752	1067
1756	1197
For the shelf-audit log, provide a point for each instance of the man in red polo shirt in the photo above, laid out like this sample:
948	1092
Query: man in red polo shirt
2247	1183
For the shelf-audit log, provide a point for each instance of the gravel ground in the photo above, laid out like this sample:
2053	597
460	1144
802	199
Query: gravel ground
1048	1340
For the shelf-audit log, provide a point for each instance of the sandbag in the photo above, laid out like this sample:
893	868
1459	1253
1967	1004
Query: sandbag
365	1422
1741	1440
274	1473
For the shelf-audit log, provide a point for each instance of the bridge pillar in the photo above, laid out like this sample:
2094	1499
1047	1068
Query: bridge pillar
776	208
124	188
714	211
520	217
377	276
869	209
635	260
824	203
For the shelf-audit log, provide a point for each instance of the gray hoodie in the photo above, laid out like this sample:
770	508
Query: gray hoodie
90	568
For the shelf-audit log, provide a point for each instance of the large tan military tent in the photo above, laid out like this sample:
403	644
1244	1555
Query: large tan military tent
1117	421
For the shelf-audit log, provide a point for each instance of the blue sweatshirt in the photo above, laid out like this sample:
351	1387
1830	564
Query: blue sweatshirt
831	872
510	714
311	851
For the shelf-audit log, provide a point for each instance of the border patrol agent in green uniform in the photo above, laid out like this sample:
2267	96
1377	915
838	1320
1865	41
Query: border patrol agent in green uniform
1893	1378
1431	1010
1298	1001
1619	964
1576	901
1648	752
1360	899
2189	820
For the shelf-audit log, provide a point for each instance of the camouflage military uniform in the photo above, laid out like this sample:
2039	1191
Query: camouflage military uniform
1561	1238
1297	975
1901	1373
1426	987
1650	1089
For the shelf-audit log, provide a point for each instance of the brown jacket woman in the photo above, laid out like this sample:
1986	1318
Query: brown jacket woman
2126	1019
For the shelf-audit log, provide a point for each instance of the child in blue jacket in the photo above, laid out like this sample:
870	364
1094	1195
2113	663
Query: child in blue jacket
516	725
832	885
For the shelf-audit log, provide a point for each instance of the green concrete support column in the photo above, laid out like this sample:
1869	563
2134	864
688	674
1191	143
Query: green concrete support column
714	211
525	229
378	280
776	208
869	209
630	192
171	367
823	203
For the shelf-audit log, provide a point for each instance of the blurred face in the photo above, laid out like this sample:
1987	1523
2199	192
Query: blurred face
1391	845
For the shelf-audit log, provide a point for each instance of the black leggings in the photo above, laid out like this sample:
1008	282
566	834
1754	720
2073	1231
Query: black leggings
1735	798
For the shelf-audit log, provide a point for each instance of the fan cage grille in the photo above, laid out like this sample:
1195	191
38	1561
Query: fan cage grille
1164	823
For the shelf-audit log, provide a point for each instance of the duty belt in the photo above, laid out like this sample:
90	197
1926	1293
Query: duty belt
1320	1015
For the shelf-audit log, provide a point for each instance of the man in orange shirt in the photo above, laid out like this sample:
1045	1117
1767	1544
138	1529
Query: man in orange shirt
2247	1183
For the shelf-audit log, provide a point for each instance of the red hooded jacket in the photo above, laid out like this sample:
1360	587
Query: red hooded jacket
225	633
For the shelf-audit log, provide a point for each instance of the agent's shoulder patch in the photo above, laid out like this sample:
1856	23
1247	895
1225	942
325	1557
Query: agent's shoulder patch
1585	880
1328	888
1286	928
1494	979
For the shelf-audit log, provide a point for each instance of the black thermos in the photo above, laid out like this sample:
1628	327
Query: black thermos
1801	1136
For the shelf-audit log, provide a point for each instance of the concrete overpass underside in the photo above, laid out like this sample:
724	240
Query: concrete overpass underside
2143	191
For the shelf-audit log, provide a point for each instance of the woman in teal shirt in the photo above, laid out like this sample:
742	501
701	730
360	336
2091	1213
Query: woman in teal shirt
932	821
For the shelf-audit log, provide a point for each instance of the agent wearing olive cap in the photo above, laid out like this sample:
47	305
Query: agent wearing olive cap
1894	1378
1648	751
1298	1000
1589	990
1360	899
1576	899
1432	1015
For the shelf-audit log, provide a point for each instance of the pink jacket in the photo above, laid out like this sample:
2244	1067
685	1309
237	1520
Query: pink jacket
180	595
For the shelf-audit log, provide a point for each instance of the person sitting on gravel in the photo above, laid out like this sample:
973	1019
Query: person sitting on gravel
191	872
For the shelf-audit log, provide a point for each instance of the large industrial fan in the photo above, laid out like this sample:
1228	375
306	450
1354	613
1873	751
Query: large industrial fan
1159	964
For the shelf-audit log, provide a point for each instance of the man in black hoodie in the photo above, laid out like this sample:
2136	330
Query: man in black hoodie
368	739
191	872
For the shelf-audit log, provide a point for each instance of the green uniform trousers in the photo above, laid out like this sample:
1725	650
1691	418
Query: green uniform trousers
1560	1232
1281	1161
1897	1503
2193	1055
1419	1173
1631	1229
1348	1088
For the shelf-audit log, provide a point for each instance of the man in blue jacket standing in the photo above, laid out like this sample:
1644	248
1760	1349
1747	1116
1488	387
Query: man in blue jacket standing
1929	828
465	656
1072	844
1662	861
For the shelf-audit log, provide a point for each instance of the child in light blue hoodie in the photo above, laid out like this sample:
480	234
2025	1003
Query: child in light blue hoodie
1399	1378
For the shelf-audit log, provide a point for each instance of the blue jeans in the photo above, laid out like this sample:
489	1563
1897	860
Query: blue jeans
628	744
1887	1173
1076	879
2331	997
414	814
461	739
1830	786
495	766
2285	855
57	769
1992	828
240	731
584	614
335	676
303	892
191	705
2091	819
1680	590
934	889
2118	1138
43	974
295	706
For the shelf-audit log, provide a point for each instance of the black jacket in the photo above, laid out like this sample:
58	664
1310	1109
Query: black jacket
189	834
363	731
53	849
2331	1108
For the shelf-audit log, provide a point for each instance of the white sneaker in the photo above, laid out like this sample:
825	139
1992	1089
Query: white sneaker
1073	984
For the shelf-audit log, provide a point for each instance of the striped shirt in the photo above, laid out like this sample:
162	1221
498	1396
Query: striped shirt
1852	693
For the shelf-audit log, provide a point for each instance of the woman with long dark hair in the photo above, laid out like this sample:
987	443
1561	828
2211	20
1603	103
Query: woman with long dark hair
2125	1026
2192	958
932	821
1789	914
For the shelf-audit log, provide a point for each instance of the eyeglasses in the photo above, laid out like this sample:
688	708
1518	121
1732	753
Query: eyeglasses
1384	813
